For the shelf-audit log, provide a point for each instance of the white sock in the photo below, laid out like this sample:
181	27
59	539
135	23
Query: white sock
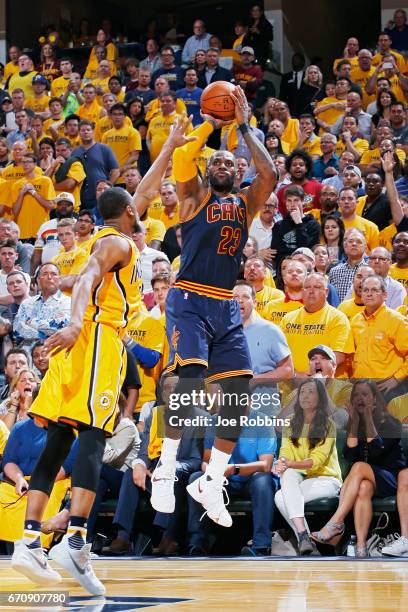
169	452
218	463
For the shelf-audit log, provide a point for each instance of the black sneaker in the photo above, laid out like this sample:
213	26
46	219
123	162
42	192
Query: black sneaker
249	551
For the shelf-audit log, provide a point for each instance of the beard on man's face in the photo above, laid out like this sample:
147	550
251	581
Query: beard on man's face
223	184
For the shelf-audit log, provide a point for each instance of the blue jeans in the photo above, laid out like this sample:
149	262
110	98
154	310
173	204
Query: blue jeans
260	488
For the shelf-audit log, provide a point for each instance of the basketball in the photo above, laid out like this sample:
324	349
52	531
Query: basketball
217	102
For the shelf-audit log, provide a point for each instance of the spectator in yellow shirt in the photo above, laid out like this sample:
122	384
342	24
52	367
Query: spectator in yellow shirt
170	214
293	277
38	103
350	53
23	79
115	88
12	66
101	81
308	141
160	126
361	73
254	274
291	125
123	140
84	228
349	140
384	51
71	258
330	109
399	270
60	85
71	128
316	323
381	338
54	126
161	85
33	198
347	206
90	109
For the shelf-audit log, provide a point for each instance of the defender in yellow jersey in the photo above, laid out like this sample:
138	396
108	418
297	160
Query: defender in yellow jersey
82	386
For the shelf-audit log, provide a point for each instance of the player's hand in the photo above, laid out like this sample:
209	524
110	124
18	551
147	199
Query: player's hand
64	339
177	137
216	123
388	162
241	105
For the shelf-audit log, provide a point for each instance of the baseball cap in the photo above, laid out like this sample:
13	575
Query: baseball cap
247	50
6	99
306	252
39	78
325	350
354	169
65	197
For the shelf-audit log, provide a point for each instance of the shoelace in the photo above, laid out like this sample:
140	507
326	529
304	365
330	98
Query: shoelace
84	558
224	492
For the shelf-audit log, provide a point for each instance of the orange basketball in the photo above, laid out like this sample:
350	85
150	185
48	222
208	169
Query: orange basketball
217	102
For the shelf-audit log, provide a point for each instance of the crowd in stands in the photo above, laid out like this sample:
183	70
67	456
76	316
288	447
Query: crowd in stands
322	289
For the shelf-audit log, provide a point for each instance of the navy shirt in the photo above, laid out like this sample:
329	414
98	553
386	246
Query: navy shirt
174	76
319	166
191	99
98	161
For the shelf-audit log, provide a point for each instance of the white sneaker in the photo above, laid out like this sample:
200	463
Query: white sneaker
210	493
399	548
78	564
33	564
162	498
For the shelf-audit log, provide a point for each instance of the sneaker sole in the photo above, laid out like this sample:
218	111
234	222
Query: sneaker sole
40	580
389	554
64	560
165	509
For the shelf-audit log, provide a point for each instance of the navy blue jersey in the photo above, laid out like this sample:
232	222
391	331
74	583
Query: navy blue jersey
213	238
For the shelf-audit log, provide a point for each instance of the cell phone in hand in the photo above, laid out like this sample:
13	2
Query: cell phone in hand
388	65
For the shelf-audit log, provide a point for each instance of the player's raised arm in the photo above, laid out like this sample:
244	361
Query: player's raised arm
109	253
265	179
150	183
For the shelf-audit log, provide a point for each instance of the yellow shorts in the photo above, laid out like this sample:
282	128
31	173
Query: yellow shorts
83	387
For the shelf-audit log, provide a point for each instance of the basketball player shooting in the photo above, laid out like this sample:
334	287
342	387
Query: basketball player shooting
203	321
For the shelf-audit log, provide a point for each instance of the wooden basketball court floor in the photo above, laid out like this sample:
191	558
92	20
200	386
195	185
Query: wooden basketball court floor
191	584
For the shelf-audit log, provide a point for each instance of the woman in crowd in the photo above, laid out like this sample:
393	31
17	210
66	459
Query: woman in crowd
47	153
308	465
14	408
309	90
384	101
332	236
322	258
21	453
200	61
112	54
259	34
374	448
49	65
4	152
273	144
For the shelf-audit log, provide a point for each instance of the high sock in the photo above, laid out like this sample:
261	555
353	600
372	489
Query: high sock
218	463
169	452
76	532
32	532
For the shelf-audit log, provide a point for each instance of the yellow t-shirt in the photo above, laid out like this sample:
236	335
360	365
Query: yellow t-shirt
77	173
123	142
153	108
158	132
312	147
291	132
32	214
10	69
4	434
60	130
5	198
37	105
59	86
202	159
353	61
91	112
369	229
372	156
398	408
175	264
149	333
360	77
155	229
399	274
305	330
74	140
324	456
381	341
359	143
112	55
105	124
386	235
22	82
330	115
70	262
277	309
14	173
264	297
170	221
379	58
103	85
350	308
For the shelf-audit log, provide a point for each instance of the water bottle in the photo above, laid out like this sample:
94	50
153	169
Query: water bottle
351	546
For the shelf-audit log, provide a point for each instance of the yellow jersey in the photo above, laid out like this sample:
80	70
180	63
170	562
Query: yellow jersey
304	330
105	124
263	298
153	108
381	341
32	214
123	142
70	262
399	274
59	86
38	105
155	229
291	132
350	308
276	309
117	298
373	156
361	144
149	333
330	115
101	84
60	129
369	229
360	77
14	172
91	112
312	146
